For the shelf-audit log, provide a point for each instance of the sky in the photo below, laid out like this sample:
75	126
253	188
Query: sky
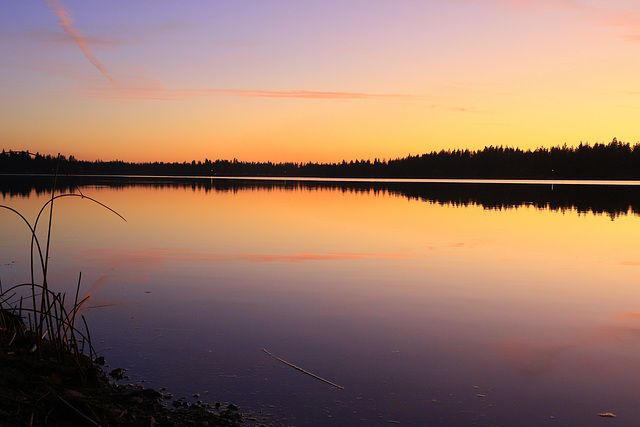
311	80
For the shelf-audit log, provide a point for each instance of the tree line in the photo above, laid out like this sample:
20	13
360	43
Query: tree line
614	160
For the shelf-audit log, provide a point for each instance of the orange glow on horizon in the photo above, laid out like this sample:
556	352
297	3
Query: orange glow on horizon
443	75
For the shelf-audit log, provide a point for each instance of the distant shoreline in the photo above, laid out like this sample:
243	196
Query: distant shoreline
614	161
585	181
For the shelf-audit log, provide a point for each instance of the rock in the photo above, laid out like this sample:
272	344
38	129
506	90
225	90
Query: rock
150	393
117	373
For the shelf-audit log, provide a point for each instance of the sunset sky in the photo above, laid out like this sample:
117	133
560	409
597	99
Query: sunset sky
321	81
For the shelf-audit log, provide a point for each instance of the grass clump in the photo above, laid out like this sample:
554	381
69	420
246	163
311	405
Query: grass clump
43	351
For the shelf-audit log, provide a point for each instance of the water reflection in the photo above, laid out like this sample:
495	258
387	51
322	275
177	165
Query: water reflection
612	200
484	306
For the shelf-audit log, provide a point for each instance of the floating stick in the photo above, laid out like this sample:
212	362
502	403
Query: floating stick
303	371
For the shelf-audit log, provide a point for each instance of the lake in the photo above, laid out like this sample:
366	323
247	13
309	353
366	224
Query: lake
431	303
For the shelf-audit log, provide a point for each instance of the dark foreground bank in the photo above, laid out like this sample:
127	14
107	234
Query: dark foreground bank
39	392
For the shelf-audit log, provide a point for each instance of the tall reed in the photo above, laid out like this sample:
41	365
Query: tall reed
36	314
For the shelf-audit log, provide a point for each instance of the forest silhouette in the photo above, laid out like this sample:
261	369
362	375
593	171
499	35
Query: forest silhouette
614	160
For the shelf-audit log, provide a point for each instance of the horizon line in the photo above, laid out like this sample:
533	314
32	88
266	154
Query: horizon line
354	160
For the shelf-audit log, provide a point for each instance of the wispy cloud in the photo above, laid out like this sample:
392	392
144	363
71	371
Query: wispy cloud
605	14
65	20
628	22
154	93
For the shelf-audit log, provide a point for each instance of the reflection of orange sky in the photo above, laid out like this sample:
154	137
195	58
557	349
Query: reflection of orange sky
159	256
531	257
322	222
320	218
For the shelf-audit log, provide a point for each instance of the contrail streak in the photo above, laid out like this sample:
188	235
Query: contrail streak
65	22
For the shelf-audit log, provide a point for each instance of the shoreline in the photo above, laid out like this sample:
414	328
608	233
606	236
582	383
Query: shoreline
39	391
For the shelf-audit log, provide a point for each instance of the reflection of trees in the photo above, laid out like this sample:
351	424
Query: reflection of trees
612	200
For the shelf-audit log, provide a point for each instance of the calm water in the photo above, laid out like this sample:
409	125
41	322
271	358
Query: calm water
432	304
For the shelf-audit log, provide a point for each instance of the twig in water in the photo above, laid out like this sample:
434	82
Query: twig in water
303	371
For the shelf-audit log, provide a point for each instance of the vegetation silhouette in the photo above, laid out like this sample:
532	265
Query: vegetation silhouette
614	160
610	199
51	323
49	370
